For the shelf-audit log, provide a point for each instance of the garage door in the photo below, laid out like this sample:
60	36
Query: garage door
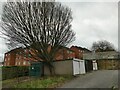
82	67
78	67
95	65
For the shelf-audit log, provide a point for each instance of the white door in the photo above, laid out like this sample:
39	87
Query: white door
75	67
82	66
95	65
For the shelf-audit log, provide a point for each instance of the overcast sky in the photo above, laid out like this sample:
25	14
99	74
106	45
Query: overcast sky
92	21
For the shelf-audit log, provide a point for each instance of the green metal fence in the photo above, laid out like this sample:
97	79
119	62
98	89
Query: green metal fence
36	69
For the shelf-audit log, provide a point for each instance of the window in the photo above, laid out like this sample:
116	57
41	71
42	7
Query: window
70	52
16	58
68	57
67	51
15	63
19	63
20	53
29	55
25	50
24	63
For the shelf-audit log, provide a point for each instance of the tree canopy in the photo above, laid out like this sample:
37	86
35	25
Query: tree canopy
102	46
39	26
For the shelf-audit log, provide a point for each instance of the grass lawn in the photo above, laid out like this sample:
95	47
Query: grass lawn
43	82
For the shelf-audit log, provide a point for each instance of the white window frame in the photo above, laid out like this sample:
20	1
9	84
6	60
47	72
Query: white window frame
16	63
24	63
19	63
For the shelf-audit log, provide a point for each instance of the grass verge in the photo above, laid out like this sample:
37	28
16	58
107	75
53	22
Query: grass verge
43	82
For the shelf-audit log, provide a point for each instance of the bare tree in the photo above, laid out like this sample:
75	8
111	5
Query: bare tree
38	26
102	46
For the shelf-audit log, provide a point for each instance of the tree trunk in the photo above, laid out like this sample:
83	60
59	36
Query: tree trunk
52	70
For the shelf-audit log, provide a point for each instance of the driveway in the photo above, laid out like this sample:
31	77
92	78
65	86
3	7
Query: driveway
95	79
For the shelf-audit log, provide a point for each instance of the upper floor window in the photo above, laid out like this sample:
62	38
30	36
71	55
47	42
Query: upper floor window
67	51
17	58
25	50
20	52
29	55
25	57
28	62
71	52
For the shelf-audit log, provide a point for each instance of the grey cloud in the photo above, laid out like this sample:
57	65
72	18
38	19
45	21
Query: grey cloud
94	21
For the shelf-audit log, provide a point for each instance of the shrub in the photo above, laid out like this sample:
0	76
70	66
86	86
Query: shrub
9	72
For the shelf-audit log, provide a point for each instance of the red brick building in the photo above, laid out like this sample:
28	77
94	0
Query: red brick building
21	56
64	53
79	51
9	57
15	58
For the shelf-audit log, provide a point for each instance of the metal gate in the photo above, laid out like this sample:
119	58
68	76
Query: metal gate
36	69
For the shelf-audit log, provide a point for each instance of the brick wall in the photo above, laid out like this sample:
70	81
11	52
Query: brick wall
108	64
9	59
79	51
64	53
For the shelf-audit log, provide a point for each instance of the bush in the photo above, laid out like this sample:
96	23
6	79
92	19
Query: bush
9	72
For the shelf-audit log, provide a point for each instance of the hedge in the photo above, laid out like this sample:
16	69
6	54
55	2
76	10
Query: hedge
9	72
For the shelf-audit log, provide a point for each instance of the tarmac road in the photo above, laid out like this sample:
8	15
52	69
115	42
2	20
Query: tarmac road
95	79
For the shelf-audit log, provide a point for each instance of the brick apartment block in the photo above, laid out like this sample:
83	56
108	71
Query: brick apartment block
79	51
21	57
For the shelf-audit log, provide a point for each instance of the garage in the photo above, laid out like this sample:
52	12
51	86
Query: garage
88	65
95	66
78	66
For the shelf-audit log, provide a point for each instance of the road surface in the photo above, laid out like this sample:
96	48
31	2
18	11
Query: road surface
95	79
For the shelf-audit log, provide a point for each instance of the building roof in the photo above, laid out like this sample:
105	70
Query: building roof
81	48
66	48
101	55
14	50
